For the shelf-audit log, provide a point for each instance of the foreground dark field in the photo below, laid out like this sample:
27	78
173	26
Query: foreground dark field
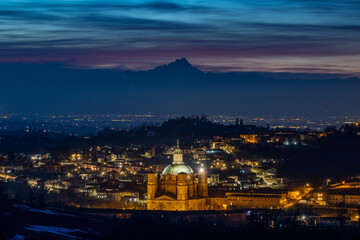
19	221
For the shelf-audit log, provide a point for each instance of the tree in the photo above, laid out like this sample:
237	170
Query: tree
242	125
11	158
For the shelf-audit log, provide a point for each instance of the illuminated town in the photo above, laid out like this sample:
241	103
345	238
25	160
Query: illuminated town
176	120
236	170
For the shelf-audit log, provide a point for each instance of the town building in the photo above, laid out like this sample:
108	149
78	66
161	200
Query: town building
257	198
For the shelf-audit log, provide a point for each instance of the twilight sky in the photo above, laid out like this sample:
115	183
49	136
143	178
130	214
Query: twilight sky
228	35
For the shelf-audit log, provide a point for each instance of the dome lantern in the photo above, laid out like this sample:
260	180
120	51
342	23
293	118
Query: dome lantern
178	165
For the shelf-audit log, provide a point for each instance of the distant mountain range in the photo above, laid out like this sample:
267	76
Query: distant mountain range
177	87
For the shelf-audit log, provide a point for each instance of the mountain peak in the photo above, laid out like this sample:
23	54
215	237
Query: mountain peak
179	65
182	61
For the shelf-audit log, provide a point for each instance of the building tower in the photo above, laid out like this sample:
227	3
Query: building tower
202	184
152	186
182	187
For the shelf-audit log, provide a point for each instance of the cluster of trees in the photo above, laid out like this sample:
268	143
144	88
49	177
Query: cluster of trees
184	128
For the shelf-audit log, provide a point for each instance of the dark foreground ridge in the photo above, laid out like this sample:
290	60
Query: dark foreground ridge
24	222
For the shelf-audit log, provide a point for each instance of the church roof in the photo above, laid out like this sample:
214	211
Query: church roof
177	168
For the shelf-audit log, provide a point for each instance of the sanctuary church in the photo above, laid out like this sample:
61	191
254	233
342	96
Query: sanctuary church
177	189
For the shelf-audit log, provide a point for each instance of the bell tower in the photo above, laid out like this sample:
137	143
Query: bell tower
203	184
152	186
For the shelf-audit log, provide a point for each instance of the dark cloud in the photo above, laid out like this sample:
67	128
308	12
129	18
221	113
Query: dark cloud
131	23
10	13
303	29
162	6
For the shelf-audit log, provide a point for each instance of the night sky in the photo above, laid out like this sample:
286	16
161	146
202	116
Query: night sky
264	35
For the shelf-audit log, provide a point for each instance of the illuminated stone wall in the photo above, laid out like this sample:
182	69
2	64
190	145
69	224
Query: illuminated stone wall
243	201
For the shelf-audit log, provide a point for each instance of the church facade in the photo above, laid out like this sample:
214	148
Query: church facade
177	189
